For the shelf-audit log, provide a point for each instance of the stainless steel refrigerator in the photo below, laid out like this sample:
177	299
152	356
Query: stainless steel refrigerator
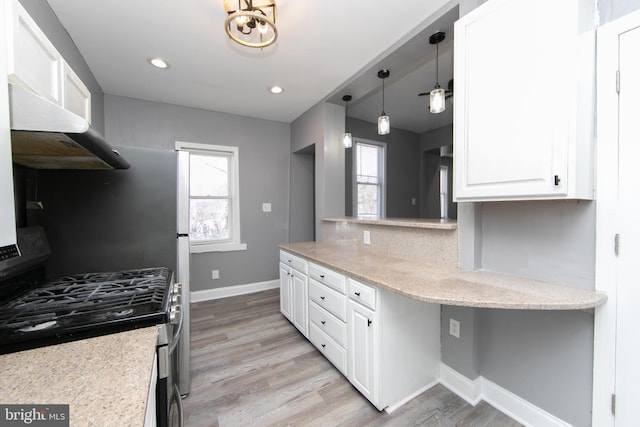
184	355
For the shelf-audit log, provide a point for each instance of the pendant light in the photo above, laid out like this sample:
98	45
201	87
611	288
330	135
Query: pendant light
384	126
437	95
347	140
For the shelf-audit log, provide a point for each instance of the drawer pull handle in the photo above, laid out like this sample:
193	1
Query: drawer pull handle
322	276
357	294
323	345
322	298
323	322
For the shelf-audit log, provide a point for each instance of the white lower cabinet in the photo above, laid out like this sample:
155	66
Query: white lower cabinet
362	342
294	299
300	317
393	345
387	345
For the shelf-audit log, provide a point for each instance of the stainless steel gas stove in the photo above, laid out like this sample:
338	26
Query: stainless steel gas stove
37	311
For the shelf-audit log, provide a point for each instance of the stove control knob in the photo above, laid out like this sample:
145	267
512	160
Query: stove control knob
175	299
174	315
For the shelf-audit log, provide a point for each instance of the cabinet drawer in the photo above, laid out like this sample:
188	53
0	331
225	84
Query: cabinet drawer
329	348
298	263
364	294
328	323
329	299
328	277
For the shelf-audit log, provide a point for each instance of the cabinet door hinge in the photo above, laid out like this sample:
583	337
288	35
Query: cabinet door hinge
613	403
616	244
617	81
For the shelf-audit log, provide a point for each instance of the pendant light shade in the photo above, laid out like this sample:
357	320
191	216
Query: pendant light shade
384	125
436	100
347	140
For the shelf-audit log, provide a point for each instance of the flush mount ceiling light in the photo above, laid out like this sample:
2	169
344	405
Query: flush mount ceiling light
438	95
158	63
384	126
252	23
347	140
276	90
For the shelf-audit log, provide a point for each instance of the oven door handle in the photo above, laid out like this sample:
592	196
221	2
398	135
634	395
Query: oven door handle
176	334
178	400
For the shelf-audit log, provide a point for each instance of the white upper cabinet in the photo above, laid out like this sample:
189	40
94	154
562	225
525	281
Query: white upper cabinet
523	101
34	63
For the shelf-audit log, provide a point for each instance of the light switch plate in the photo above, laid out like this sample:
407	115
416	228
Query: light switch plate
367	237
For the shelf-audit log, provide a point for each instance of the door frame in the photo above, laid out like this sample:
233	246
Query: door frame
604	357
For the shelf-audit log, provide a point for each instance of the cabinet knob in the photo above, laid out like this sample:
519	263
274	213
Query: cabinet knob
323	322
323	345
357	294
322	298
322	276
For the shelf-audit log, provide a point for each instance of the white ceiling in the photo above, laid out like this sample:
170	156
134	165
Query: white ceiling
326	48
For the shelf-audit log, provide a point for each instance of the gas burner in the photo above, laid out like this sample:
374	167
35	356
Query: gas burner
38	327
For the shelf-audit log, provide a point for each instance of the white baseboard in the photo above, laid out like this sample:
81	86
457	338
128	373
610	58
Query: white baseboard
389	409
230	291
518	408
469	390
502	399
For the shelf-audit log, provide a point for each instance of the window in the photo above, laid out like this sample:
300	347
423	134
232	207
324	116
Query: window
368	179
214	216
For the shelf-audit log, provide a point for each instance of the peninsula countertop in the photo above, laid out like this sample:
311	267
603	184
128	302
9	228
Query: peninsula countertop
103	379
438	284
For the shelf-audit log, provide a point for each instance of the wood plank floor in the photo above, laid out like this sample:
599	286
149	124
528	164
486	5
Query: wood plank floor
250	366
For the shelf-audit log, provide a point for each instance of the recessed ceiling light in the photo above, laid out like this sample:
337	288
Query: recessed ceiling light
158	63
276	90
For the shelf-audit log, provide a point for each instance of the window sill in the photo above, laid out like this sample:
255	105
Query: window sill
218	247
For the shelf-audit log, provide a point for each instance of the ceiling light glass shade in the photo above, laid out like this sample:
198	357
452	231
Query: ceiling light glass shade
436	100
347	140
383	125
253	23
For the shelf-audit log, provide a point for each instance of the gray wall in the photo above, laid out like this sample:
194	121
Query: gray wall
264	176
302	217
57	34
403	168
321	127
111	220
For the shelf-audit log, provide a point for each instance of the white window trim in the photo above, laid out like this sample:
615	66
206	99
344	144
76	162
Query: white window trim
383	177
236	244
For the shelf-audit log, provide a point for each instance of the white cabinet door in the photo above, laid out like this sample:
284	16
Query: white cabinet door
300	317
361	325
285	290
33	60
516	85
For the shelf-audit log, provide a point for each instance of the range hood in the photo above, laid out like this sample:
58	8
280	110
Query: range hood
46	136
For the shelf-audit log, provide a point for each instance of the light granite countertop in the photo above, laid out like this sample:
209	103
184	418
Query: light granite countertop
437	224
438	284
103	379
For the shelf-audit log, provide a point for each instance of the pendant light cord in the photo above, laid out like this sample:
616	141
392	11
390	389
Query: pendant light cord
383	113
437	64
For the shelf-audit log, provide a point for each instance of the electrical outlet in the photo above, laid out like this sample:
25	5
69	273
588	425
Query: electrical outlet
215	274
413	201
454	328
367	237
266	207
